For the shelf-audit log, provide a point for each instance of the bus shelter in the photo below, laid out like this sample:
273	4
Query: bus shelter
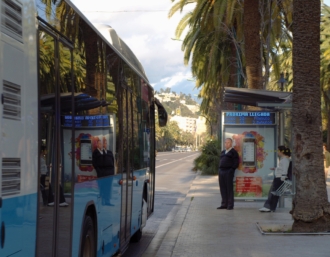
256	135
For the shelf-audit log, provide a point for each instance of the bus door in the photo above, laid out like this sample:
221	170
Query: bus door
152	167
126	207
55	100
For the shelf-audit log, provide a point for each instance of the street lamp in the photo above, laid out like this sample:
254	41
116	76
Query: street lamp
282	81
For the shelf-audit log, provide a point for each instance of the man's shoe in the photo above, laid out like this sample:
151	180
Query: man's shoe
230	208
222	207
64	204
51	204
264	209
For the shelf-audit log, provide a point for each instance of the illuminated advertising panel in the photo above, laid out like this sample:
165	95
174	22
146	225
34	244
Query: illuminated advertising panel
254	138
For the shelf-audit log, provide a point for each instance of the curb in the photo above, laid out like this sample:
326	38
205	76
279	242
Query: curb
170	228
170	239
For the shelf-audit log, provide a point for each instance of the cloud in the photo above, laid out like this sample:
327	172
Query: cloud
165	79
146	29
175	79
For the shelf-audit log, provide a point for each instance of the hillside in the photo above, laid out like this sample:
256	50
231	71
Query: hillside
173	101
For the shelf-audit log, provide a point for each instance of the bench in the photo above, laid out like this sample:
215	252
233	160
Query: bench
285	189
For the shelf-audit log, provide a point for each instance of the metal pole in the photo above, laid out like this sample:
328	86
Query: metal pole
281	128
281	199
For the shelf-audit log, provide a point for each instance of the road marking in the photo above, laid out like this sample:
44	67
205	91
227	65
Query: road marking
169	153
175	161
165	154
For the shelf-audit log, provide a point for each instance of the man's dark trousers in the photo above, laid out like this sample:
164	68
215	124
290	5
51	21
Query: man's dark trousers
226	177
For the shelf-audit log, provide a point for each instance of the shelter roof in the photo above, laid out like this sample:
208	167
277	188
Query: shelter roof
258	97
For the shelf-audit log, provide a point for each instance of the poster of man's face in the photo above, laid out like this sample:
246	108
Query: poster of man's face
86	141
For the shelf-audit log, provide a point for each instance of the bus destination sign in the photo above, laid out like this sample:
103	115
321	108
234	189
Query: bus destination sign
249	118
86	121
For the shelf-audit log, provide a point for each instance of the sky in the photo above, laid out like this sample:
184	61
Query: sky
145	27
147	30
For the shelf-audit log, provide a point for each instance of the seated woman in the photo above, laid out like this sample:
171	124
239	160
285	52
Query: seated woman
280	174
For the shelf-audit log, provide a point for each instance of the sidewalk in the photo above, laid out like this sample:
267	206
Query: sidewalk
199	229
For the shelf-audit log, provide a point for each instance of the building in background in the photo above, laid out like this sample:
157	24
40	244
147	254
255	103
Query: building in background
201	125
167	97
191	125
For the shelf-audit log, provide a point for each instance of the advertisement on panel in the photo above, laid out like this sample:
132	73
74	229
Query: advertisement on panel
254	138
87	136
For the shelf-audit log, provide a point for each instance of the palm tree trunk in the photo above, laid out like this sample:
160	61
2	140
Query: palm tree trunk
327	108
311	209
253	57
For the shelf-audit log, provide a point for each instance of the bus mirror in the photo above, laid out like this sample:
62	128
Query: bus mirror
162	114
162	117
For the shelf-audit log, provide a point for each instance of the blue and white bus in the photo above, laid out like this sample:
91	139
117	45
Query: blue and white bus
77	135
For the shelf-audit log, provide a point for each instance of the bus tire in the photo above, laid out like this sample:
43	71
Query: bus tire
88	247
137	236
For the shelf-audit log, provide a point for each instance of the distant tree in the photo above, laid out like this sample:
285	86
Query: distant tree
187	138
172	106
168	90
167	137
190	101
167	108
185	112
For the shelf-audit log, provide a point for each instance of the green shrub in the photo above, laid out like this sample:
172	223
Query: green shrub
208	161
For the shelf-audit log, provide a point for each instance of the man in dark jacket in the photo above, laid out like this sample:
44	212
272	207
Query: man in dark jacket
98	160
227	166
109	167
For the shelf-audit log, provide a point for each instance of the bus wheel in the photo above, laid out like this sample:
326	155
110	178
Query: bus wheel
87	247
137	236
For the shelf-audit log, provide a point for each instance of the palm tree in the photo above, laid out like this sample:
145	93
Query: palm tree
235	21
325	66
253	58
212	46
311	209
276	39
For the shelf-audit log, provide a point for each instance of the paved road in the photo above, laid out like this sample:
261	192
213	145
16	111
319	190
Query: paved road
174	177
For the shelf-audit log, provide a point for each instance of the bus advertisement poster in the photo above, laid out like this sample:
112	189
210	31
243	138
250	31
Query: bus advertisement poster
86	142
